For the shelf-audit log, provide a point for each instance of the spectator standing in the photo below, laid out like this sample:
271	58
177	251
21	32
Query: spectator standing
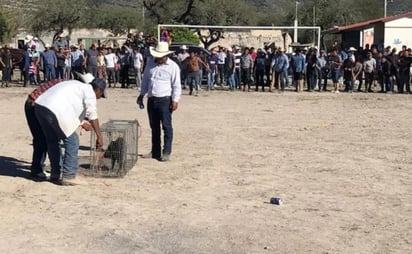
280	66
125	61
138	66
237	55
323	71
230	69
259	69
221	66
212	61
193	72
61	42
77	59
369	67
101	65
91	60
181	57
404	72
49	62
388	73
246	67
335	62
110	59
61	64
5	65
348	74
298	65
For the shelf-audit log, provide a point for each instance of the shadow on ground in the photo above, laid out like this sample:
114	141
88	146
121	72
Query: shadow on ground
13	167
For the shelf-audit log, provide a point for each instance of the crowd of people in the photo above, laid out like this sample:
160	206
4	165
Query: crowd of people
235	68
305	69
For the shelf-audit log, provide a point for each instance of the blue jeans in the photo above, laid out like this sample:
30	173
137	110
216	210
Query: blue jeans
70	157
335	75
158	109
61	70
211	79
50	72
6	74
237	77
193	77
39	140
231	80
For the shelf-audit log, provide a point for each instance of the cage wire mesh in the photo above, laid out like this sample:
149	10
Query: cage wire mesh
119	153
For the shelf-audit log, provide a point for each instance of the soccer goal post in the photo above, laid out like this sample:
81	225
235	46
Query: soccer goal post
252	33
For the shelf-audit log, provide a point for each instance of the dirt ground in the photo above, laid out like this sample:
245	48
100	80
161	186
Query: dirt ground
341	164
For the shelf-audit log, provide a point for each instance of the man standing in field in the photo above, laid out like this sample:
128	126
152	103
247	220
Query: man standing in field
161	83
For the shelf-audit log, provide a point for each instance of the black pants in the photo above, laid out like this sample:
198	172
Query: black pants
124	76
160	114
259	79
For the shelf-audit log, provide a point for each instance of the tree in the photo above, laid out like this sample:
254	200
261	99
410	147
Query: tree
55	16
8	24
117	20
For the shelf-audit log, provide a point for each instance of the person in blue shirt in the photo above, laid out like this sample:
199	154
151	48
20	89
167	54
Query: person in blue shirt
298	64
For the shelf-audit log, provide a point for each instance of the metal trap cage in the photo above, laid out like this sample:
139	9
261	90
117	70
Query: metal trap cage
119	153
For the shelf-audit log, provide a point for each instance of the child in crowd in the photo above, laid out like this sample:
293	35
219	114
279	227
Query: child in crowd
33	73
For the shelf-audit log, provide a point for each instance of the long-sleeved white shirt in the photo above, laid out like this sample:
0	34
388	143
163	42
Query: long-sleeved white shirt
70	101
162	80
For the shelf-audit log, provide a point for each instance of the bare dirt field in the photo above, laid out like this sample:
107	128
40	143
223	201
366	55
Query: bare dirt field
341	163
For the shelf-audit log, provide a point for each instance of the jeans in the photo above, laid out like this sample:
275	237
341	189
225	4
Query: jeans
368	80
158	109
388	83
6	74
405	79
231	80
221	76
111	76
335	75
70	157
138	76
193	77
237	77
92	69
50	72
60	72
259	79
54	135
39	140
211	79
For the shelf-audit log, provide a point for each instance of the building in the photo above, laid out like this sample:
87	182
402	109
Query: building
393	31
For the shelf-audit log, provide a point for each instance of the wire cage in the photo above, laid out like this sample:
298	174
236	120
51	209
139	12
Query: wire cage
119	153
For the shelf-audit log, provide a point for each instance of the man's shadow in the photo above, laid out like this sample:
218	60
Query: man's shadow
13	167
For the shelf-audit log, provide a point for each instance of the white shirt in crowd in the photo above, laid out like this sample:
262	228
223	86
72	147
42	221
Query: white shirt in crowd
70	101
137	60
162	80
111	59
182	56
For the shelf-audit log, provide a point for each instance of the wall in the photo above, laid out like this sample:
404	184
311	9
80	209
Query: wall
398	33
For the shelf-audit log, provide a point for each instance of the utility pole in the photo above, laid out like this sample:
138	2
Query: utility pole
295	34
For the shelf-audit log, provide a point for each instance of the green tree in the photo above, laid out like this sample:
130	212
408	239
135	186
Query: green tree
55	16
116	19
8	24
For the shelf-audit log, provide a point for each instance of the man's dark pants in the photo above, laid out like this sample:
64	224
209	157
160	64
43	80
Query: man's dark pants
39	140
159	112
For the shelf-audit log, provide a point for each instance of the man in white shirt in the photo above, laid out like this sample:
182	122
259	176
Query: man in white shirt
161	82
111	60
137	66
60	110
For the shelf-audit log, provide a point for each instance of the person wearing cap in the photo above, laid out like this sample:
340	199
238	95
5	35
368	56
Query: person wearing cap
298	64
5	64
323	71
61	42
49	62
335	63
77	59
280	65
212	61
31	55
161	83
59	110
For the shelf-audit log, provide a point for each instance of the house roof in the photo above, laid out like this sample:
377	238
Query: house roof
368	23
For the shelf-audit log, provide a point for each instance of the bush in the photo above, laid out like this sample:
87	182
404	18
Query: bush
184	35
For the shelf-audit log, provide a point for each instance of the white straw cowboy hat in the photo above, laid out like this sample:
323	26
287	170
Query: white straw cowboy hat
352	49
86	78
184	47
161	50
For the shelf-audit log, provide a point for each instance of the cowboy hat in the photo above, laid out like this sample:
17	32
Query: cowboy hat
183	47
88	78
47	45
161	50
29	37
352	49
